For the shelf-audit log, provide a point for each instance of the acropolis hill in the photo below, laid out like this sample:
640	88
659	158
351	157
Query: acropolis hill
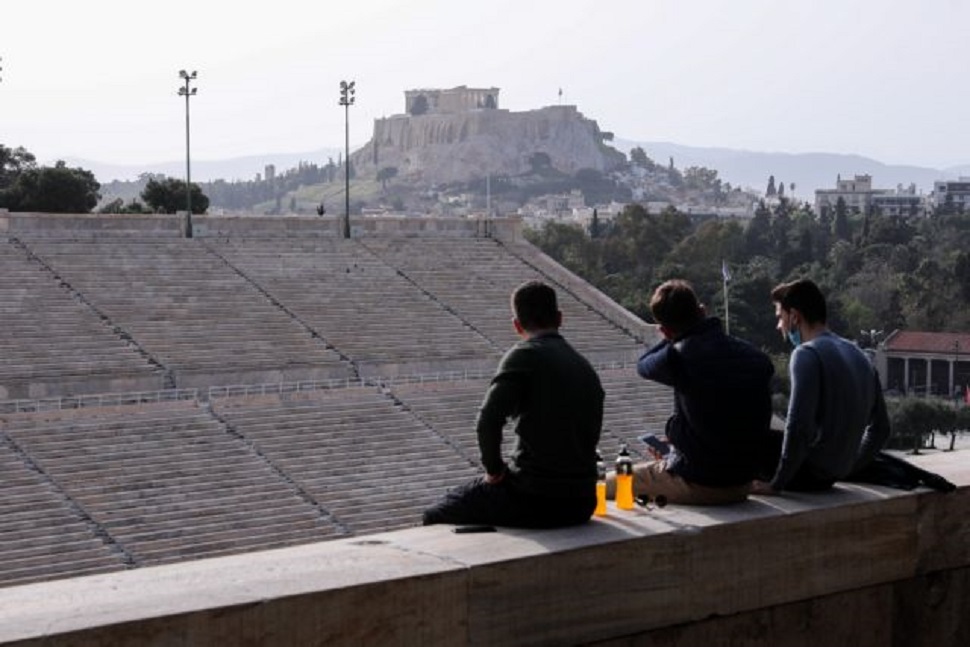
462	134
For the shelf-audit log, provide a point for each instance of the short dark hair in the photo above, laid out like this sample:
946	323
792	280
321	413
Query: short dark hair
802	295
534	304
674	305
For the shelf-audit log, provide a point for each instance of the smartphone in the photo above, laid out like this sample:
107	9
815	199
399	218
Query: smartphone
461	530
658	445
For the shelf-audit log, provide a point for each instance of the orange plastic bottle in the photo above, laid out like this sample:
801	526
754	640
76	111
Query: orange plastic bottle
624	480
600	510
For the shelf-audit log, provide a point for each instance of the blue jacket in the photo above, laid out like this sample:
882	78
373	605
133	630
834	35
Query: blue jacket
722	403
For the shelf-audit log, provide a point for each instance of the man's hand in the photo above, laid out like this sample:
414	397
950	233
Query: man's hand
495	479
763	487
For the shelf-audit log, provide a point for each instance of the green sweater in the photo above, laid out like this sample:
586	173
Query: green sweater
557	399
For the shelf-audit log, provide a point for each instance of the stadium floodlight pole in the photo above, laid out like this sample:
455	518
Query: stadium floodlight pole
187	91
346	100
955	375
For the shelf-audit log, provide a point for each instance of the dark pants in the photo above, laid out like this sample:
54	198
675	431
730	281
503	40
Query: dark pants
803	481
505	504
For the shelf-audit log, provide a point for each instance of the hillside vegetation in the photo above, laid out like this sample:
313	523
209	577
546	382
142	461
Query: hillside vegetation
880	273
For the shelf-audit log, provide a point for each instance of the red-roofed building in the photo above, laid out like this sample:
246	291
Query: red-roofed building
931	363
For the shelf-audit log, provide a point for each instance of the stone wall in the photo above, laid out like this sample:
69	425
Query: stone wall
89	226
861	565
460	99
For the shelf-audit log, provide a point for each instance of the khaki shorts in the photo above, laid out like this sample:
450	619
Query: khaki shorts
652	480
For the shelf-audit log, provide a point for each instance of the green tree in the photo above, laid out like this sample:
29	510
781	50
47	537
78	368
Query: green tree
540	161
841	227
844	260
598	188
752	314
824	233
757	235
14	161
961	272
894	230
52	189
638	157
929	295
913	419
701	178
905	274
168	196
781	226
594	225
697	257
118	206
385	174
804	233
771	191
569	245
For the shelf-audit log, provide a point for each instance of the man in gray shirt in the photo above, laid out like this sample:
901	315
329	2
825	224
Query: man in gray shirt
837	418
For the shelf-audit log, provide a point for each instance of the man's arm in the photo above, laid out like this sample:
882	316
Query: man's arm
879	429
502	401
806	380
654	364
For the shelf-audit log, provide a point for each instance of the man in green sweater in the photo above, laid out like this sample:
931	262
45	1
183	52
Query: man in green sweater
556	398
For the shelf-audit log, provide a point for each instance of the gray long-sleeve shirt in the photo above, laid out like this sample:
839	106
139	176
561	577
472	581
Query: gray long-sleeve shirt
837	417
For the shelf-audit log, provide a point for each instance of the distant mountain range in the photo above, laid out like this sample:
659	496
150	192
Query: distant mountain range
748	169
237	168
808	171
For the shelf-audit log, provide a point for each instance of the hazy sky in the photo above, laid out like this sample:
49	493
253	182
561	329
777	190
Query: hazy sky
98	79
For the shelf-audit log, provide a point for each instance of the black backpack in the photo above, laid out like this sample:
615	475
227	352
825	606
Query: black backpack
892	471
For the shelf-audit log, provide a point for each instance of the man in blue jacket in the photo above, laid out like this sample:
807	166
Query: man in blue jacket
722	405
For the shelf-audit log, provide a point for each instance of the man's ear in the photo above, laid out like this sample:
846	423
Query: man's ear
518	327
666	332
558	318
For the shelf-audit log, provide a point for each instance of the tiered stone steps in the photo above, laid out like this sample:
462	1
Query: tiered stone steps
634	406
44	536
187	309
52	343
361	305
365	459
167	482
451	408
474	277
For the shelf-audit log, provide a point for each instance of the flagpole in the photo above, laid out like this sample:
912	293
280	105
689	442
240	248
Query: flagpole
726	278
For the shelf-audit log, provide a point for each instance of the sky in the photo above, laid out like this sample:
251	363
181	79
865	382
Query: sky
98	79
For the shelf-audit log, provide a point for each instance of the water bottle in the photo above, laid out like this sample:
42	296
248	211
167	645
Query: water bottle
600	510
624	480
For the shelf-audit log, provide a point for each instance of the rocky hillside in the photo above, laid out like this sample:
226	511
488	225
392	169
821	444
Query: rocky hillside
442	149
